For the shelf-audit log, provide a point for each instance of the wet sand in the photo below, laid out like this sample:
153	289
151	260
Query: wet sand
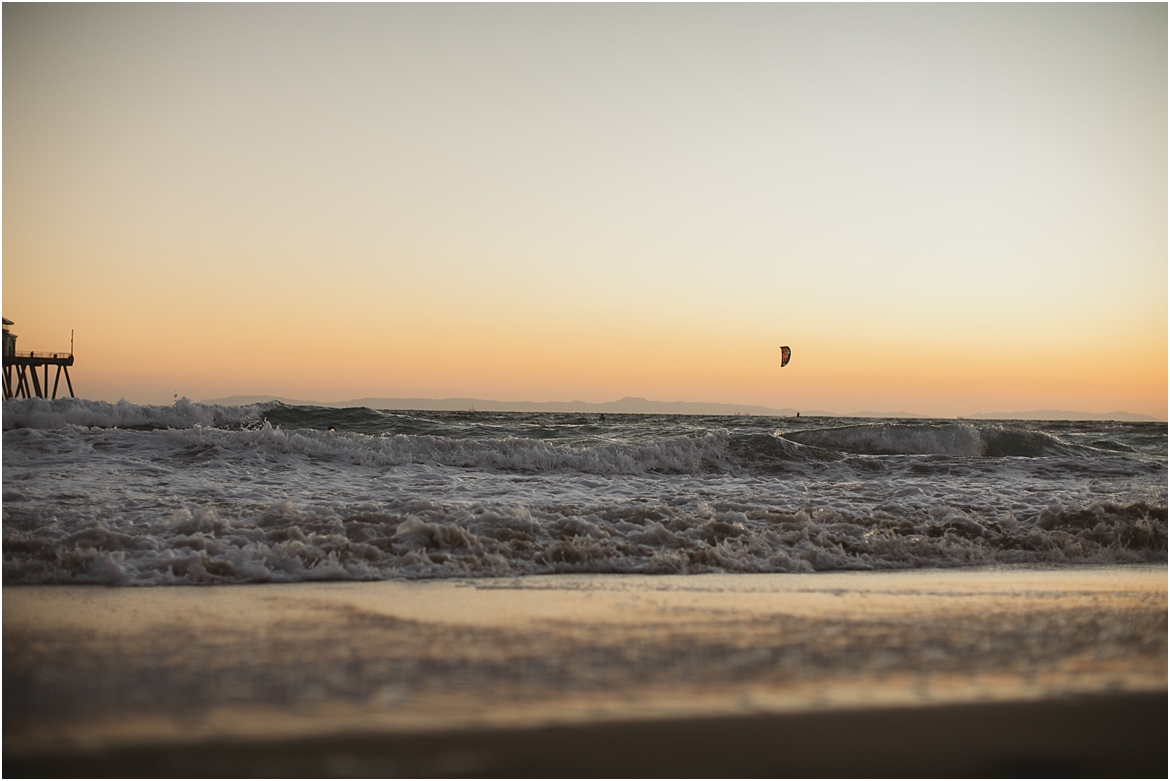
934	672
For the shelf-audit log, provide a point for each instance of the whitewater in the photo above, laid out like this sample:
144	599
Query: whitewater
100	493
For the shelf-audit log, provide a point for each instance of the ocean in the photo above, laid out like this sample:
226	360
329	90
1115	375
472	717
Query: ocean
137	495
553	594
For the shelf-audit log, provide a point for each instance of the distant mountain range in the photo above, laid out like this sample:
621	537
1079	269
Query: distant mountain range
1058	414
635	405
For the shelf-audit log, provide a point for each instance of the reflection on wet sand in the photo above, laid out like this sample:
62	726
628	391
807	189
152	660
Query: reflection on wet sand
90	671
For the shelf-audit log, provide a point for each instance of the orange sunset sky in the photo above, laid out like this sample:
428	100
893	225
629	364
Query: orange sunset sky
943	209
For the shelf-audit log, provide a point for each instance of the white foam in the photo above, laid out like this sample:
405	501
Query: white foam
62	413
186	500
684	455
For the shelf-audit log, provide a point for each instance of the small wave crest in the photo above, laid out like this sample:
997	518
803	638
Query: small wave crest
774	452
85	413
677	455
938	439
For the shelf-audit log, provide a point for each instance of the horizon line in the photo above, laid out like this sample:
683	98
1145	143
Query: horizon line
625	404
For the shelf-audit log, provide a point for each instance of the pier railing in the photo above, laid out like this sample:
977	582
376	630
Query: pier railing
40	354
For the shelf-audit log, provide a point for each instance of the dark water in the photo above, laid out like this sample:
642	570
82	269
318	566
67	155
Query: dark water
122	493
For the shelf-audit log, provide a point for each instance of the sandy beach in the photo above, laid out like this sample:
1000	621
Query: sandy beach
974	671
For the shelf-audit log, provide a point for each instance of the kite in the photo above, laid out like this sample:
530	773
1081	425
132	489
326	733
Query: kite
785	356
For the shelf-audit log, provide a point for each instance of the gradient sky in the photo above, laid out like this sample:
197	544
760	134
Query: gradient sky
943	209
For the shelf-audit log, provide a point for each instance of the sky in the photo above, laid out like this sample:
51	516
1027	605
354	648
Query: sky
942	209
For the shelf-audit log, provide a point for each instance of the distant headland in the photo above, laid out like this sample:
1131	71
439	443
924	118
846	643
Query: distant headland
1057	414
641	406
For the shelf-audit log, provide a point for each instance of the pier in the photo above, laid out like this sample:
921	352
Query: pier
26	375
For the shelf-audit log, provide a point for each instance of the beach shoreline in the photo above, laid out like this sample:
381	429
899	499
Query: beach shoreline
133	681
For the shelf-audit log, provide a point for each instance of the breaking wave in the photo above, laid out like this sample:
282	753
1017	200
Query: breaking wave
682	455
419	538
63	413
943	439
143	495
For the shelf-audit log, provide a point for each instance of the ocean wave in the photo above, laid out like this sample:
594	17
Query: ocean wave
183	414
190	493
418	538
677	455
941	439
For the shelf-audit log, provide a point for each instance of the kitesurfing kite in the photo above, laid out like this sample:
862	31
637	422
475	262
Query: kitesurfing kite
785	356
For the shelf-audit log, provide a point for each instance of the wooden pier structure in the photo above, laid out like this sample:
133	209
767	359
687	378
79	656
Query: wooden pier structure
26	375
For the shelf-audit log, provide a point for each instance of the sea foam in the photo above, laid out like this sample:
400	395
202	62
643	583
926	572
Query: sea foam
140	495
